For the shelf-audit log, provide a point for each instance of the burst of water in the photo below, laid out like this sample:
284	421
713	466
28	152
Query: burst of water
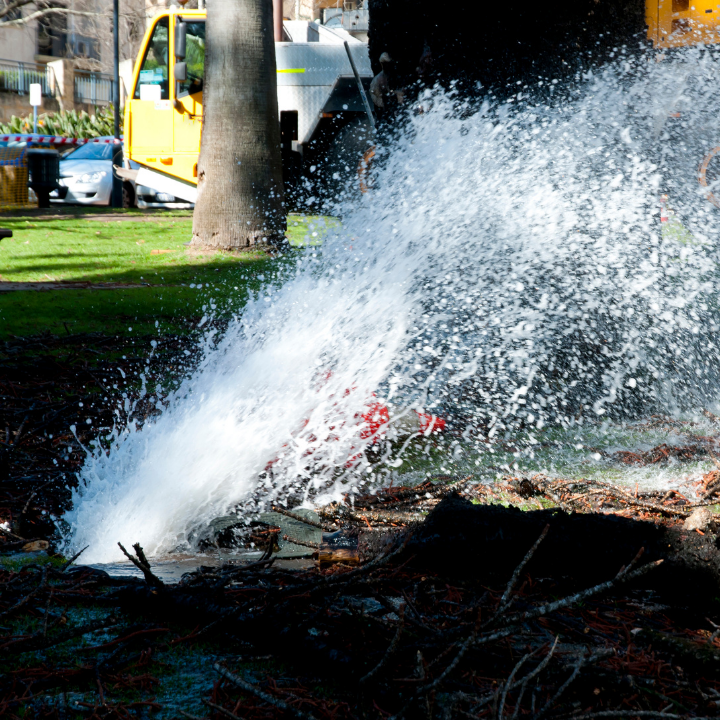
508	271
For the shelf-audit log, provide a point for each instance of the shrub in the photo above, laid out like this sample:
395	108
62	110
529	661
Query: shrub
68	123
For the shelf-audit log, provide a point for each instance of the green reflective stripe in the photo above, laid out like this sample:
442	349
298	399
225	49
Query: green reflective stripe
292	70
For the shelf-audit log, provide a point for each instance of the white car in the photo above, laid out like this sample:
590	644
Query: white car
149	198
86	177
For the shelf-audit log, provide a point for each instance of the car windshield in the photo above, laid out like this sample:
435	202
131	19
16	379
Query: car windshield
91	151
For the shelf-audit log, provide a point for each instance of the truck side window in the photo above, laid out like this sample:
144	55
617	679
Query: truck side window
195	59
154	70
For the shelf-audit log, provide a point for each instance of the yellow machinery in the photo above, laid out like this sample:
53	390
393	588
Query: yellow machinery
318	97
163	116
679	23
322	73
676	23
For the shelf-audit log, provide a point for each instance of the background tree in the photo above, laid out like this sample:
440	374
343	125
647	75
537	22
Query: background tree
77	29
240	189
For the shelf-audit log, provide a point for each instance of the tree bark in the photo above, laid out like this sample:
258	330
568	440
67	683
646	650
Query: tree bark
240	188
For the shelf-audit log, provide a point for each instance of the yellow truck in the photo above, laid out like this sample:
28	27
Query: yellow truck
676	23
320	94
322	74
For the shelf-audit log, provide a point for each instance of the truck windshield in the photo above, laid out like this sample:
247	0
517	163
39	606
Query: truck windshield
195	59
154	70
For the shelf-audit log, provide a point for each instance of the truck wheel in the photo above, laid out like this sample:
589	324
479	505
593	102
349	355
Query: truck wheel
128	196
344	157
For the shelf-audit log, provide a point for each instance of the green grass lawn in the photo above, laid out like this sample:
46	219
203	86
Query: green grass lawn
160	279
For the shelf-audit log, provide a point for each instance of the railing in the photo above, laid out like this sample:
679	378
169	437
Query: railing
17	77
93	88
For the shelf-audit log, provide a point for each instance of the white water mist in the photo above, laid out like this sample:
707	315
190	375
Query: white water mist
508	269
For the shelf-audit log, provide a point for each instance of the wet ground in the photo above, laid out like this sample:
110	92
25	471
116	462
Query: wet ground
171	569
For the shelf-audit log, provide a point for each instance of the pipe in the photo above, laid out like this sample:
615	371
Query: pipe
368	109
278	20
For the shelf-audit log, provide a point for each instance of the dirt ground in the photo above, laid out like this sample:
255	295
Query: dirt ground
466	602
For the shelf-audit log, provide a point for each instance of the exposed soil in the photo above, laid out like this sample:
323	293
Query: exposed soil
604	605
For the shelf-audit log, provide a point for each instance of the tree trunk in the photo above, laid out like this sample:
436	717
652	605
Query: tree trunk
240	189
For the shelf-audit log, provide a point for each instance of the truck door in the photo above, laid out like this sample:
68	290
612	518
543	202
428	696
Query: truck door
187	115
150	114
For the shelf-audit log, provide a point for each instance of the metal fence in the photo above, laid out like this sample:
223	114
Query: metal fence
17	77
14	191
93	88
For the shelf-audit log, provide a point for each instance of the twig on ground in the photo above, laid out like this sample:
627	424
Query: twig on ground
73	559
143	565
505	687
20	603
38	642
578	667
299	518
629	714
622	576
429	687
505	600
524	681
222	710
389	652
189	716
249	687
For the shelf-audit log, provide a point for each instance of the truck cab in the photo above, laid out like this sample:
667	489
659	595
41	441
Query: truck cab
677	23
318	95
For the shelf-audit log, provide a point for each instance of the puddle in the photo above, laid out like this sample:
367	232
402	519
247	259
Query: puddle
171	569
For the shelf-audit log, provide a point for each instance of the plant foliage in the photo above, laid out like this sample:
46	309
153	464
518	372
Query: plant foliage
68	123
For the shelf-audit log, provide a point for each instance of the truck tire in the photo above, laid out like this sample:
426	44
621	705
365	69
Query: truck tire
339	170
128	196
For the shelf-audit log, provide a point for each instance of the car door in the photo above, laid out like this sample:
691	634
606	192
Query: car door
150	114
187	117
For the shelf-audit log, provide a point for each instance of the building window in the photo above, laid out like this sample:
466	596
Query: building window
14	14
52	34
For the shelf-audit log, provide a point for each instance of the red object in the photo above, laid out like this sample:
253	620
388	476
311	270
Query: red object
373	423
430	423
664	217
374	418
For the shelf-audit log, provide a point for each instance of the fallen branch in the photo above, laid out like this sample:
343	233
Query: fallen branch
42	586
505	600
508	684
622	576
389	652
299	518
40	642
143	565
222	710
73	559
578	667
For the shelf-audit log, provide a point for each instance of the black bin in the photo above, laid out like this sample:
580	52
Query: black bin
44	173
